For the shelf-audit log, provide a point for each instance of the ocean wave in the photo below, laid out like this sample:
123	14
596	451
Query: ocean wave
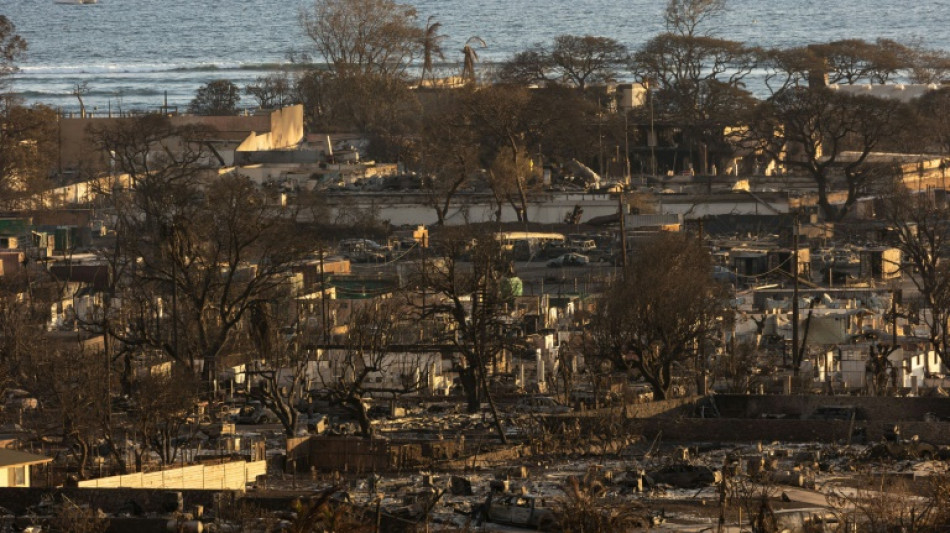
92	93
140	68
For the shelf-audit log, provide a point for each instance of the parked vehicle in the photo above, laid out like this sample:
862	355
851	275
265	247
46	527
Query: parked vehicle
685	476
521	510
590	399
541	405
254	413
838	412
909	449
582	245
724	275
569	259
364	251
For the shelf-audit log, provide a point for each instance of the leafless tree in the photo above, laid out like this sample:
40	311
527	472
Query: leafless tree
810	129
736	365
446	154
286	346
206	248
652	320
216	98
575	59
933	108
587	59
271	91
928	65
699	78
363	37
684	17
881	503
467	281
71	517
72	384
923	235
12	48
159	417
529	66
503	122
81	89
346	372
28	144
586	507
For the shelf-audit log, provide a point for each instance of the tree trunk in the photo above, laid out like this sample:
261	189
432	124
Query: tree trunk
358	408
494	410
83	455
469	382
125	379
118	456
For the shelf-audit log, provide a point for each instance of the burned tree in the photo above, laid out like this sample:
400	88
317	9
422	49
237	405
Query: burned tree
698	78
216	98
920	223
379	37
446	155
652	320
285	346
578	60
72	385
347	371
829	136
468	283
196	250
503	123
161	405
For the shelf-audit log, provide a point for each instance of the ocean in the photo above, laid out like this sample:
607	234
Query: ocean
133	54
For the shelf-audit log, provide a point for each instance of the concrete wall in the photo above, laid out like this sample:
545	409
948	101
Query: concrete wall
662	408
76	149
412	209
18	500
230	127
286	127
353	454
228	476
747	430
884	409
286	131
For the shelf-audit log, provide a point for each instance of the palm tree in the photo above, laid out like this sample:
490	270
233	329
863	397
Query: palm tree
470	57
431	46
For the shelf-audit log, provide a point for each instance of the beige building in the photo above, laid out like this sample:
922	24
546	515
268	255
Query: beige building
15	467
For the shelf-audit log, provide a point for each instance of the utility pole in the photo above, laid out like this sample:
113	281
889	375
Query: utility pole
324	310
796	354
623	232
626	147
652	140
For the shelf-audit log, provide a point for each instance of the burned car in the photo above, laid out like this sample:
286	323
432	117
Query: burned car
520	510
684	476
